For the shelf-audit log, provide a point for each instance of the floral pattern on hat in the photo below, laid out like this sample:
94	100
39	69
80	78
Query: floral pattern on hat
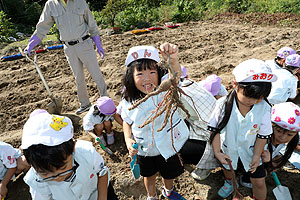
291	120
277	119
286	115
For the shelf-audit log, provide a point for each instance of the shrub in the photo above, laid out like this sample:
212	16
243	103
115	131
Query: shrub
6	27
185	11
111	9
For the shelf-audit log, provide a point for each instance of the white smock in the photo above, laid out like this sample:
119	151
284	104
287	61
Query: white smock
239	135
284	87
150	141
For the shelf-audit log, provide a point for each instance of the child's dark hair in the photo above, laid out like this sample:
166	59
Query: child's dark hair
131	93
278	59
48	158
256	90
97	112
280	162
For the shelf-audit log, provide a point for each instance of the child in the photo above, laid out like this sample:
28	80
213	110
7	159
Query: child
278	62
11	163
61	167
285	87
285	123
213	84
156	152
200	104
241	125
292	64
100	117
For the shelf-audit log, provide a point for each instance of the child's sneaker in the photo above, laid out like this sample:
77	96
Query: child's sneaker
200	174
225	190
110	138
173	195
102	140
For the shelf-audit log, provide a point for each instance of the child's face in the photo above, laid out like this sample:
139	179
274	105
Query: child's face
246	101
145	80
59	174
282	135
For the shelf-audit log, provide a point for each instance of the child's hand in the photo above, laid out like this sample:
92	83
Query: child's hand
132	151
265	156
254	164
171	49
3	191
96	141
222	158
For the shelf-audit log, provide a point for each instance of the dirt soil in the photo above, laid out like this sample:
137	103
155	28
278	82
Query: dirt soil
213	46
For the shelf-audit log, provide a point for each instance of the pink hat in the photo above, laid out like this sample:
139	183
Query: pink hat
106	105
293	60
213	84
184	72
287	116
285	52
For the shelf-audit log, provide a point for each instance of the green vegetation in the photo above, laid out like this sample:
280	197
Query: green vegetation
132	14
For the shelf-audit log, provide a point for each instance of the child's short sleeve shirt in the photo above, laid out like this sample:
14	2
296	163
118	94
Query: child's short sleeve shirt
84	185
8	158
239	135
89	120
150	141
284	87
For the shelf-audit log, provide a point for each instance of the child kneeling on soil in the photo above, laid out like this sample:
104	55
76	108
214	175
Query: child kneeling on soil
100	117
285	123
11	163
279	61
241	125
156	150
61	167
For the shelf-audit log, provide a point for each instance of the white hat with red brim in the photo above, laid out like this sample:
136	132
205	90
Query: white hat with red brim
44	128
142	52
253	70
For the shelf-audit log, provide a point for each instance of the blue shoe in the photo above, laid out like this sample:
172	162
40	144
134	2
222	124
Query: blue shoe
225	190
173	195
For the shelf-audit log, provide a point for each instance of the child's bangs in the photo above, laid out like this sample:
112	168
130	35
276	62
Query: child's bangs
256	90
144	64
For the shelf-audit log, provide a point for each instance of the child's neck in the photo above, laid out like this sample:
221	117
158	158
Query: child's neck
242	108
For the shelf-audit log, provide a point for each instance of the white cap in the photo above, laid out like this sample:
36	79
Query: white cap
142	52
46	129
253	70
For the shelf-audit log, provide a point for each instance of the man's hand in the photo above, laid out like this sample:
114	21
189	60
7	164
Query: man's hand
34	40
97	42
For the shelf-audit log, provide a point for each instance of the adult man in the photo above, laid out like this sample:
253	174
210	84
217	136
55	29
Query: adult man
76	25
